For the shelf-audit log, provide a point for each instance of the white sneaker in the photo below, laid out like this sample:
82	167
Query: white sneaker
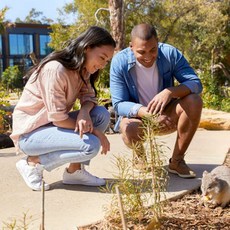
32	175
82	177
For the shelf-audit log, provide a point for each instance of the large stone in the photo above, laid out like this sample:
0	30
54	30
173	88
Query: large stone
215	120
5	141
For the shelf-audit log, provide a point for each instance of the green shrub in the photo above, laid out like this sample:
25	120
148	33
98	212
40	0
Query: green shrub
12	78
214	95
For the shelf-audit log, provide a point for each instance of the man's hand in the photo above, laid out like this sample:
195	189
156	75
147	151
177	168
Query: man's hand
142	112
158	103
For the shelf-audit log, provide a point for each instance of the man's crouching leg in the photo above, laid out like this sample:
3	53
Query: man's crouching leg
131	132
186	112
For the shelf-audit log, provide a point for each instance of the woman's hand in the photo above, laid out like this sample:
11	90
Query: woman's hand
84	123
103	139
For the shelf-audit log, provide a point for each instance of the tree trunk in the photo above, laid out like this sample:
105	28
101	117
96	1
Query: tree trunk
116	8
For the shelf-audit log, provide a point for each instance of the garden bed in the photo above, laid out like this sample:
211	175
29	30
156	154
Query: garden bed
186	213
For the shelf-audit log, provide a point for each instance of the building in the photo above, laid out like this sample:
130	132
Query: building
21	40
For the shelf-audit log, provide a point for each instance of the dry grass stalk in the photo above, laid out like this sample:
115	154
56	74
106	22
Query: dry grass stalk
121	208
159	174
140	189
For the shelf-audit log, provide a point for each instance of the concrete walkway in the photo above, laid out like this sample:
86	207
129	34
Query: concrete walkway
67	207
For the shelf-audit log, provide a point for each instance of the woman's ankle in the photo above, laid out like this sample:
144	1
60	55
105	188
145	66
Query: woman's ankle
33	160
73	167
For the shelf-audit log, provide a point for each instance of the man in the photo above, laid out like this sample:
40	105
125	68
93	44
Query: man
142	82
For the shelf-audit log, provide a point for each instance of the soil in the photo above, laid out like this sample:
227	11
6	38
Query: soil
186	213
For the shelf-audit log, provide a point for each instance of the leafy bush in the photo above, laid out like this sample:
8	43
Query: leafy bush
3	113
214	96
12	78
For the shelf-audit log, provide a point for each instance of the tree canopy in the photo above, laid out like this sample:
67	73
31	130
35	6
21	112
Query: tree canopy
35	17
199	28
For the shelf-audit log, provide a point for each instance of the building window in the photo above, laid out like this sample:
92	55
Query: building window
23	63
44	48
21	44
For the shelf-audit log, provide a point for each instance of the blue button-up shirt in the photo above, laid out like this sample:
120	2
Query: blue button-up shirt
171	65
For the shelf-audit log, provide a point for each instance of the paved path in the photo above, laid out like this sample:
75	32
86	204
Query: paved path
67	207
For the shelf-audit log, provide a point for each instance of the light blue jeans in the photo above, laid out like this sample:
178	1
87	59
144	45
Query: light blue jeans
57	146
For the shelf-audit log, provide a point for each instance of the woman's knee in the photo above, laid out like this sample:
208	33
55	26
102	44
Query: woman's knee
92	146
104	113
100	117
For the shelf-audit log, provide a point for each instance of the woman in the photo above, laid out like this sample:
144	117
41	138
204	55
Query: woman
45	128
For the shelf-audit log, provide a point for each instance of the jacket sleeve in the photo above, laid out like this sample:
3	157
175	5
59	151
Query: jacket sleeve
123	103
184	73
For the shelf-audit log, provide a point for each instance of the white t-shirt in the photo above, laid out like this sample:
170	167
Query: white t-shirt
147	82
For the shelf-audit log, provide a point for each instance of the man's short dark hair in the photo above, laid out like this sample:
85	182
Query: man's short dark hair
144	32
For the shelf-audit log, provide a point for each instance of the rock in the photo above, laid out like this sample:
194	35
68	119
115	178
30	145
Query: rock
5	141
214	120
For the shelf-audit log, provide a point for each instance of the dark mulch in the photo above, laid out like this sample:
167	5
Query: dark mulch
186	213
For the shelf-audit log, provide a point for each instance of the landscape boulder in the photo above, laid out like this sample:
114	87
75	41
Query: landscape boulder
214	120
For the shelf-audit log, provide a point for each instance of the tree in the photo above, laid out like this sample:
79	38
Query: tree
85	16
3	23
199	28
116	9
35	17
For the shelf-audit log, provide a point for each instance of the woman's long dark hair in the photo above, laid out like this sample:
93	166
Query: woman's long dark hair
72	56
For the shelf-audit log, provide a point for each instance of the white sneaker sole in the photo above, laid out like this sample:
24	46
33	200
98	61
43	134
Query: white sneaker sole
46	186
82	183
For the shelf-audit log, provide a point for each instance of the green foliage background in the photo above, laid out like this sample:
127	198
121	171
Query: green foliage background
199	28
12	78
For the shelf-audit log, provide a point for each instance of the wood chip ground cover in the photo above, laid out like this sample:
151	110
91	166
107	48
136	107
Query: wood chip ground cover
186	213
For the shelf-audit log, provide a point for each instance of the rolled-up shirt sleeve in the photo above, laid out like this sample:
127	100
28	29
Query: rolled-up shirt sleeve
184	73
